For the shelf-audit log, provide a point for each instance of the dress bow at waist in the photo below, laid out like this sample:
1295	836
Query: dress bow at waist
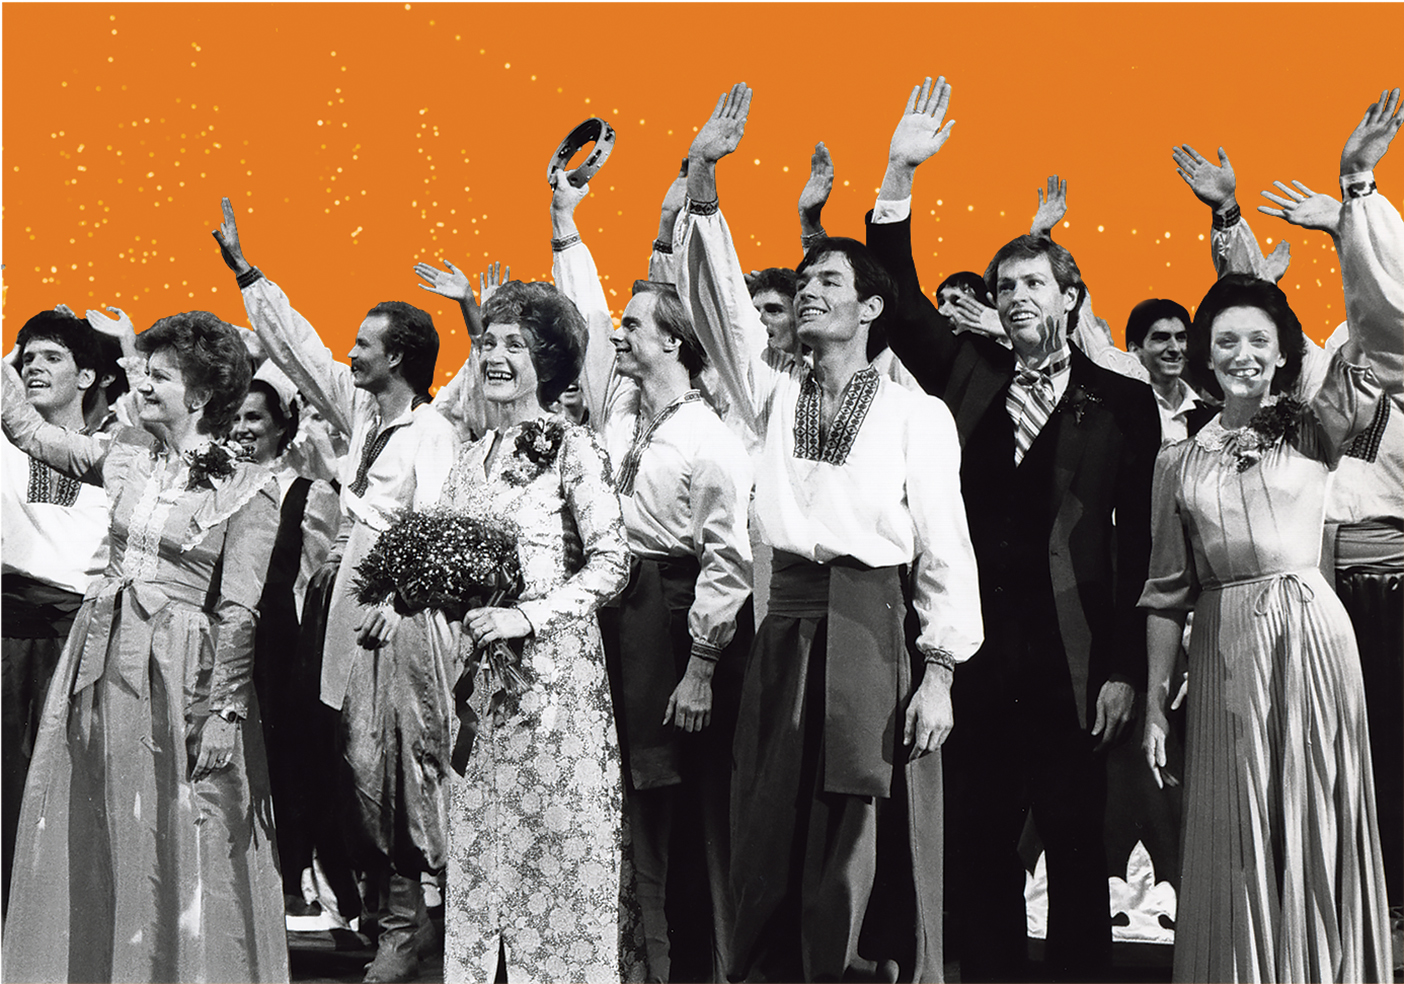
140	601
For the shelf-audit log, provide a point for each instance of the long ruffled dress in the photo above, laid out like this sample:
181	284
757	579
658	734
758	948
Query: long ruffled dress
1282	874
126	869
534	856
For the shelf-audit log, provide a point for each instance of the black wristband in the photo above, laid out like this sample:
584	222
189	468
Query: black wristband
1229	219
250	276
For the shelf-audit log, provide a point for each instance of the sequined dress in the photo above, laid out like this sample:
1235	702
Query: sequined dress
1282	875
126	869
534	855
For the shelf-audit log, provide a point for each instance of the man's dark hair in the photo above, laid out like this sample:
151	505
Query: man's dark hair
967	280
74	334
1147	313
111	351
556	333
410	334
672	319
1243	290
212	360
870	279
1026	247
782	280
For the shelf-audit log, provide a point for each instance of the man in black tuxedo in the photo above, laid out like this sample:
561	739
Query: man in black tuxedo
1057	457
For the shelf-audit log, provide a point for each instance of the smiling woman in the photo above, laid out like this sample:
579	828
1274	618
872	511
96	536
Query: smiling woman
150	762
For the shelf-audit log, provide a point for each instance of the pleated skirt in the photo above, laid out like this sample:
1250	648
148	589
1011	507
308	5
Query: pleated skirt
1282	878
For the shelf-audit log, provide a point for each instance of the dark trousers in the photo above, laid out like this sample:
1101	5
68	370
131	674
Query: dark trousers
1029	756
1375	602
37	618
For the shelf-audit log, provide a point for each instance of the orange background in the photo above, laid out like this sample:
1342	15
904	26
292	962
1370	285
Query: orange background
358	139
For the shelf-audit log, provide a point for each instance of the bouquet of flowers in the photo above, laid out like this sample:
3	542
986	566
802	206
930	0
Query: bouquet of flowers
439	559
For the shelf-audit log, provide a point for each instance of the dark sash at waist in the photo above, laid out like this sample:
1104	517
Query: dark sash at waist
1374	546
651	661
35	609
867	670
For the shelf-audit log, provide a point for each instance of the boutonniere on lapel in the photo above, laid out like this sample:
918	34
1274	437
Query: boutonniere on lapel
1272	423
213	461
1076	401
538	444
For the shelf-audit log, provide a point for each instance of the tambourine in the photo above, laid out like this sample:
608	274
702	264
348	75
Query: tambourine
594	129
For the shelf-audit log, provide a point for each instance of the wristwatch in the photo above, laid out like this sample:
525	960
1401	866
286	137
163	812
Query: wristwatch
231	716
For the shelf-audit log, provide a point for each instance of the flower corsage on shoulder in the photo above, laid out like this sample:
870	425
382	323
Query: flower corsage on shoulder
214	460
1275	422
538	445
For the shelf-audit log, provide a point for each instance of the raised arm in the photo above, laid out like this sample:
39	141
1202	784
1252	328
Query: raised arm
454	284
1372	245
573	269
460	400
923	338
814	196
291	342
71	452
662	261
1232	245
710	277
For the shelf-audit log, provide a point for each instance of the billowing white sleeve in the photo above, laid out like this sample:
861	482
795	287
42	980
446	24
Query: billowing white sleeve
576	276
1371	247
296	348
711	283
719	497
945	582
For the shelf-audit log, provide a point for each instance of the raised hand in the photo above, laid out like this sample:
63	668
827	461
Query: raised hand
919	134
117	327
1051	209
1304	207
1214	186
1277	262
970	315
227	235
494	278
677	192
1370	139
817	189
722	132
565	195
454	284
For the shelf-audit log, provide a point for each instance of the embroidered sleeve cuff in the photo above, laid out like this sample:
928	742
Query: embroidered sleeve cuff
703	208
1357	185
939	657
250	276
705	651
561	245
659	246
1228	219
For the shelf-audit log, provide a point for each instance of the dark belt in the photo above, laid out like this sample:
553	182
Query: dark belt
648	664
867	670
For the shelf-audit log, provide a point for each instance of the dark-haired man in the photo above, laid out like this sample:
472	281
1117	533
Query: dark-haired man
394	758
677	636
1056	472
836	799
54	542
1157	333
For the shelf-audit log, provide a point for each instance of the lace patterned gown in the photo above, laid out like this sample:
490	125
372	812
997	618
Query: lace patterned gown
1282	876
534	856
126	870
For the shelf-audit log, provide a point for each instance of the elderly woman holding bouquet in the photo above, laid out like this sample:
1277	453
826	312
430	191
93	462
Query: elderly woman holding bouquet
534	858
146	836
